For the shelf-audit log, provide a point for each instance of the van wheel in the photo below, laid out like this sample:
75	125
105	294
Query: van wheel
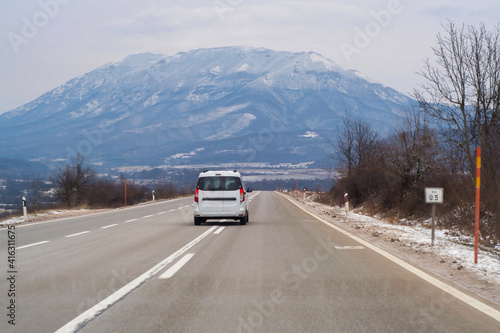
248	217
197	221
244	219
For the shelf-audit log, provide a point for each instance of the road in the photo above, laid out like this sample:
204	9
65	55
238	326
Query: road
149	269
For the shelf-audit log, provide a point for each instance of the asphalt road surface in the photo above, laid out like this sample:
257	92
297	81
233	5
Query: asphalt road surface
149	269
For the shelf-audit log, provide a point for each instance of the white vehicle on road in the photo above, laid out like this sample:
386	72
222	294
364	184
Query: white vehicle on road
220	195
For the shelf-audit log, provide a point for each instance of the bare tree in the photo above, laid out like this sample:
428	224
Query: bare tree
345	144
36	191
166	190
411	149
356	145
366	145
462	92
73	181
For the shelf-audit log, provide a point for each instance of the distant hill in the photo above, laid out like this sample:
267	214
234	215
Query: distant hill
220	105
11	168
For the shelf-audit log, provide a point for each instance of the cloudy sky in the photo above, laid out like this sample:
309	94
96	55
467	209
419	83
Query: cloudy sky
44	43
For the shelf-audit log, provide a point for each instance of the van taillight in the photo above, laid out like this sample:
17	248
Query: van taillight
196	195
242	195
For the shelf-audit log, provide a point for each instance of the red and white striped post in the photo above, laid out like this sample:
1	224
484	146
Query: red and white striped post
478	192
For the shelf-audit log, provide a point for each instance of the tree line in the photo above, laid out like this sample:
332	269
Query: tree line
434	144
77	185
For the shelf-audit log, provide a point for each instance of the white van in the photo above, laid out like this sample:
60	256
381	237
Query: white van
220	195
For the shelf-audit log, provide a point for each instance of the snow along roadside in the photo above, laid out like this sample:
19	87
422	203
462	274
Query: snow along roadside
447	259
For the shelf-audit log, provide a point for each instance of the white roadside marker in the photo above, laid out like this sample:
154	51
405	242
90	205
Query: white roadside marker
176	267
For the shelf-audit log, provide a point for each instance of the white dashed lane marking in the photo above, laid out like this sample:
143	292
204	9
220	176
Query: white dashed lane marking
176	267
109	226
77	234
30	245
218	231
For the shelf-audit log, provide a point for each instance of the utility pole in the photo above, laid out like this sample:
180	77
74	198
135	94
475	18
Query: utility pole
125	193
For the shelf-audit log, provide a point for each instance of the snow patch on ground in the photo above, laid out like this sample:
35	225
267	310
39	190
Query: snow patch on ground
216	70
91	107
445	244
152	100
243	68
320	59
451	257
187	155
41	216
243	121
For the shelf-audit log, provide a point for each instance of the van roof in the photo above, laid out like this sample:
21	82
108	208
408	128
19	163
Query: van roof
220	173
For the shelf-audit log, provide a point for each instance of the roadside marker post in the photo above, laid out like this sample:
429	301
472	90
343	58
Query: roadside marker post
346	200
25	209
433	196
153	195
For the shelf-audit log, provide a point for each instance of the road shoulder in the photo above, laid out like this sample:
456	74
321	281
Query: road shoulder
454	271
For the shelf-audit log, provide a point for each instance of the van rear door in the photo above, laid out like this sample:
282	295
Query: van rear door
219	193
211	198
232	187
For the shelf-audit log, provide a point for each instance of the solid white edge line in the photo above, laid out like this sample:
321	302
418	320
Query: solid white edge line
109	226
218	231
30	245
77	234
80	321
176	267
92	214
128	221
484	308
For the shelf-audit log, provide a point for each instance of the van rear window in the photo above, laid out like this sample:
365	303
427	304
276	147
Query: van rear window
219	183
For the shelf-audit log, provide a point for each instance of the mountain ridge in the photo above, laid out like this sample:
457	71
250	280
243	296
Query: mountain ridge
149	107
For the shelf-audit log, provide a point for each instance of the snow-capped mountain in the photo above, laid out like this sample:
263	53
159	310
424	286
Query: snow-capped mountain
230	104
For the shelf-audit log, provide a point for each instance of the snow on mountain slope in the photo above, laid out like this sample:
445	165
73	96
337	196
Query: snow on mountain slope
148	107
